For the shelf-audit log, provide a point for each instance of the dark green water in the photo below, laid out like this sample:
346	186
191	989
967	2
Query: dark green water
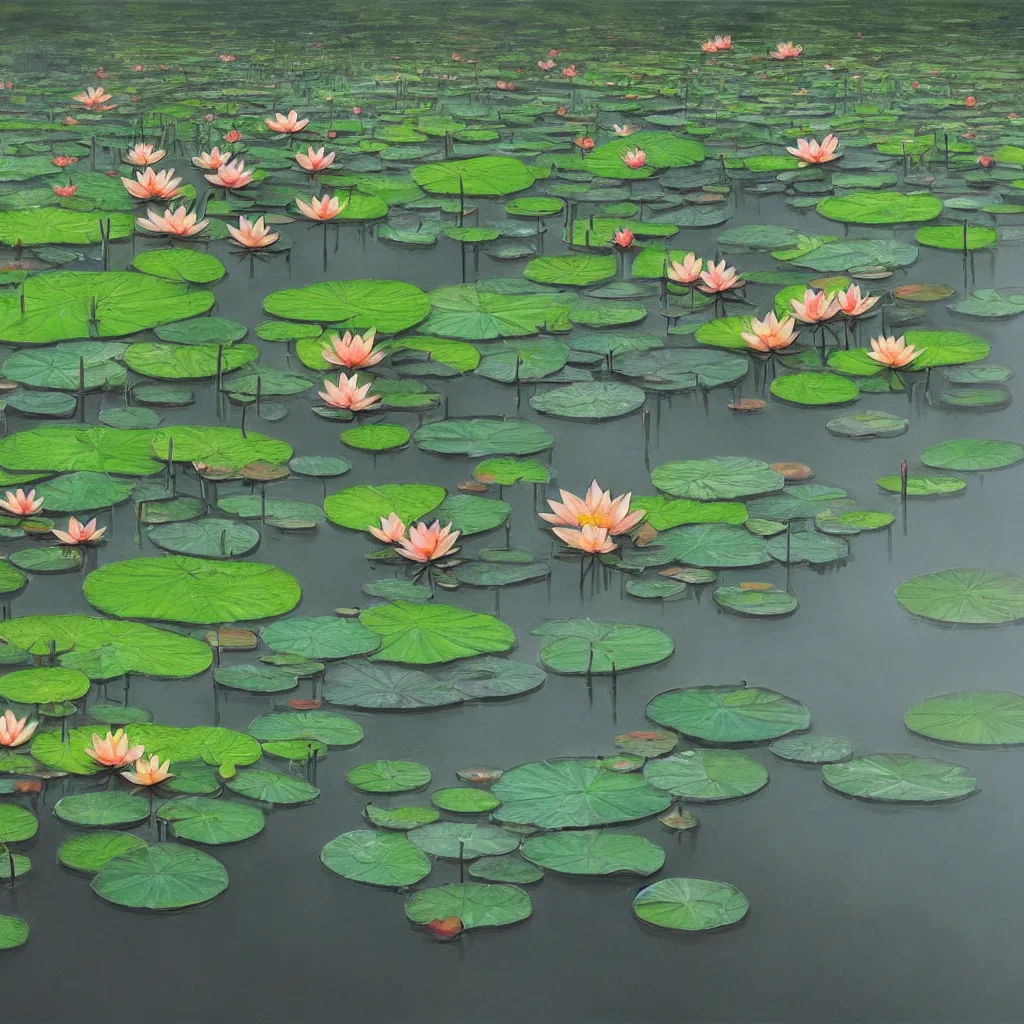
859	912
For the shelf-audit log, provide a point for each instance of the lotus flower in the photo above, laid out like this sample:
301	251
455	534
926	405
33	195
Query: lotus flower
786	51
353	351
177	222
545	65
19	503
719	278
315	159
64	161
232	136
593	540
634	159
569	71
15	731
427	543
77	533
150	184
815	308
113	751
769	335
596	508
65	191
971	101
320	208
94	98
346	395
852	303
252	234
584	143
717	44
391	529
505	86
212	160
286	125
230	175
686	272
810	151
142	154
148	773
622	129
623	238
893	352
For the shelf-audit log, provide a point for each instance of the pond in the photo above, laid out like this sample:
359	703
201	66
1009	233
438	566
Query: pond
318	312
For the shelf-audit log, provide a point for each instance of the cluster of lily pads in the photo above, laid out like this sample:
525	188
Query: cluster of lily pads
593	187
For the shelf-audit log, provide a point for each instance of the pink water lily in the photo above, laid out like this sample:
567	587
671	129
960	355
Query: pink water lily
719	278
686	272
252	234
346	394
178	222
815	308
786	51
94	98
113	751
810	151
634	158
21	504
150	184
286	125
230	175
596	508
545	65
718	44
212	160
15	731
893	352
79	533
593	540
320	207
315	159
769	335
142	154
391	529
623	129
852	303
354	351
148	773
427	543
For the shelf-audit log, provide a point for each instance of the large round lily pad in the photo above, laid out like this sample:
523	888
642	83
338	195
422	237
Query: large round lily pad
390	306
729	714
162	877
195	590
475	904
594	852
707	774
881	207
900	778
690	904
376	858
582	646
380	687
477	176
972	717
713	479
972	454
574	793
480	437
363	506
968	596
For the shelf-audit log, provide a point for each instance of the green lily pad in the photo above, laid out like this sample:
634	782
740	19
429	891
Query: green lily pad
690	904
360	685
464	800
16	824
972	454
475	904
376	437
90	852
324	638
43	685
207	538
478	176
376	858
583	646
881	207
390	306
968	596
363	506
813	749
161	877
400	819
13	931
189	266
707	775
868	423
590	400
88	810
211	821
574	793
272	787
463	840
973	718
389	776
713	546
899	778
476	437
711	479
594	852
729	714
509	867
923	486
815	389
324	726
256	678
956	238
759	603
417	634
578	269
177	588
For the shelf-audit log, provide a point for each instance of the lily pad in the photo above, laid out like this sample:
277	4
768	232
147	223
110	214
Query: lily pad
389	776
707	775
972	717
586	647
690	904
475	904
899	778
376	858
729	714
162	877
594	852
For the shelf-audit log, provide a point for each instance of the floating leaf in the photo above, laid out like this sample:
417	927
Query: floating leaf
162	877
690	904
728	714
376	858
899	778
